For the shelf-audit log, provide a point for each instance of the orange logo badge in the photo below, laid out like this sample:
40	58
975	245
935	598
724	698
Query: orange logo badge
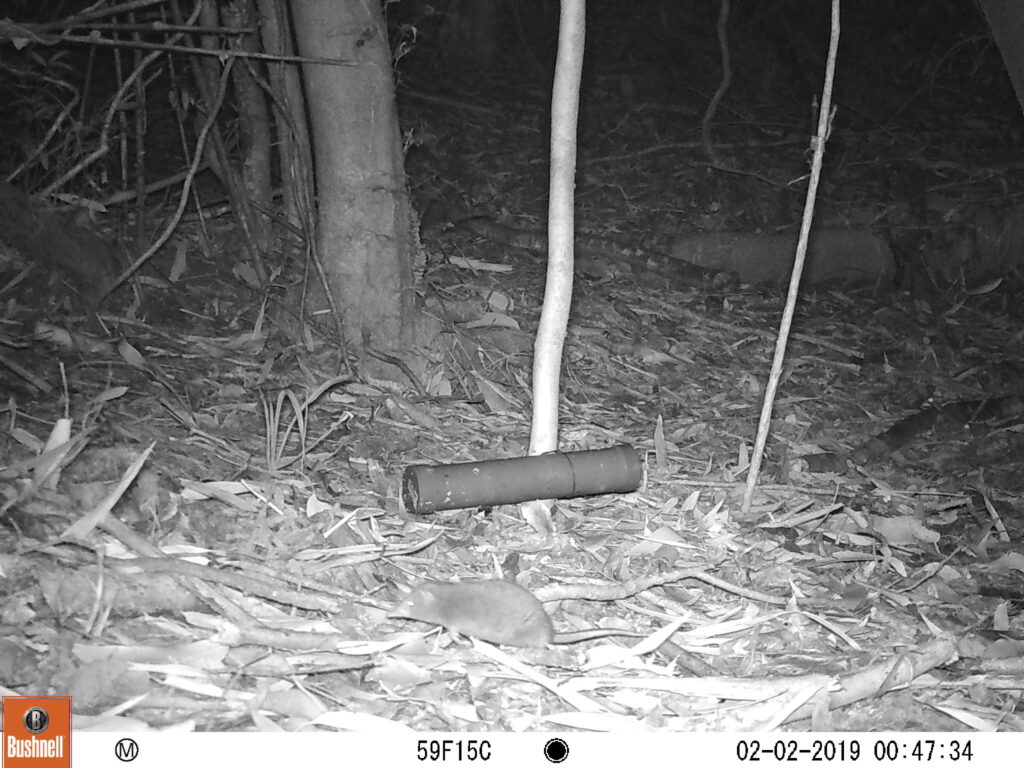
37	732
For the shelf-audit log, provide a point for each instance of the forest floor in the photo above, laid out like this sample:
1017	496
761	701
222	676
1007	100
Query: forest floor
887	526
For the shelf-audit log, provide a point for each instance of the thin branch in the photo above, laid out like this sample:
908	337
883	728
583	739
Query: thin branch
723	86
183	200
86	16
219	53
818	146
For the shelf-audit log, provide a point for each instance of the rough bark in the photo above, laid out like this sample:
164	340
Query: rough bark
365	235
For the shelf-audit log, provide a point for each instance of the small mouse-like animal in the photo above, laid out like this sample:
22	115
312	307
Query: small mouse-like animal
494	610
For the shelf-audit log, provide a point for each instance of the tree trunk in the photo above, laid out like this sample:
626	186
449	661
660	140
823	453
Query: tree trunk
206	72
294	155
253	124
554	316
366	234
1006	20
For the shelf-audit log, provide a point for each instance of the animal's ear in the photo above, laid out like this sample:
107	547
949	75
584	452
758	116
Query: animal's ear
404	590
404	605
